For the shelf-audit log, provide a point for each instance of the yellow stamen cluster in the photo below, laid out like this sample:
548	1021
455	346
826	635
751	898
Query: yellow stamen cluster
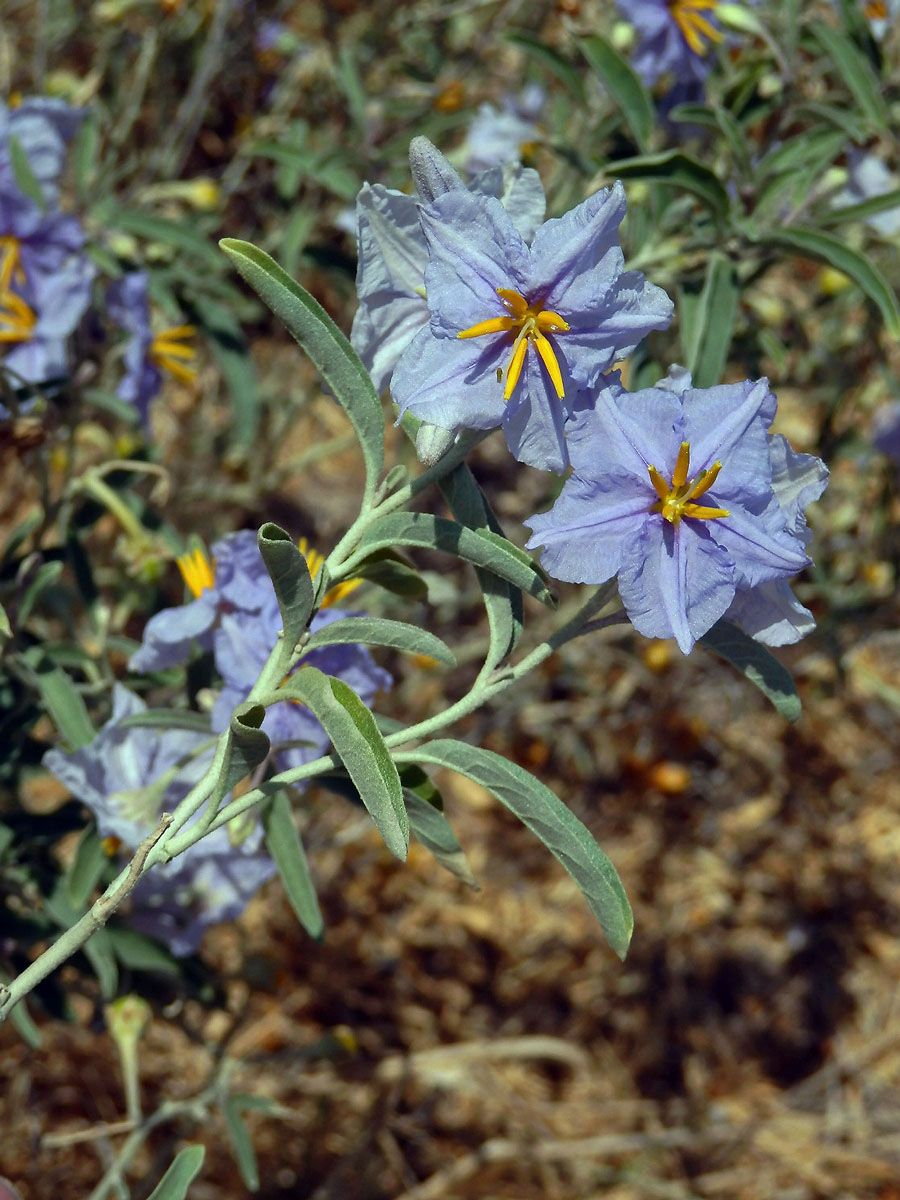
530	323
314	561
17	319
694	27
197	572
875	10
168	351
676	499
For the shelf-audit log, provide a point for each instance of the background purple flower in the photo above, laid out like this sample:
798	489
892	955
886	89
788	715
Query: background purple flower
504	134
675	38
42	126
128	777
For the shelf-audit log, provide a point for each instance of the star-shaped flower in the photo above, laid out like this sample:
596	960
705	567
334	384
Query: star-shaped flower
519	327
673	492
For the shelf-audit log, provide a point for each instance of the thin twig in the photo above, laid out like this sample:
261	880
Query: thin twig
95	918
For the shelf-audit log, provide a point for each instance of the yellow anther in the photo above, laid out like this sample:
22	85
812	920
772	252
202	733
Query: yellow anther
530	323
17	320
676	499
168	351
11	269
876	10
197	572
694	27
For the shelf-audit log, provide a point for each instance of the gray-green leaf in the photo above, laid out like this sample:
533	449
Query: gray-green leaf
180	1175
290	577
623	84
286	848
360	747
330	351
547	817
753	660
379	631
482	548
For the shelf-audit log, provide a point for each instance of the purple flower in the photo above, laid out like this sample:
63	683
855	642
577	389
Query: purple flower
42	126
887	432
128	777
235	614
235	581
393	252
675	38
517	327
146	355
504	135
673	491
45	288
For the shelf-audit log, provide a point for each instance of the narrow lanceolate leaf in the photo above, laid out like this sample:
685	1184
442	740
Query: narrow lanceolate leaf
623	85
753	660
378	631
23	173
825	248
502	601
330	351
856	72
482	548
707	325
87	867
433	830
680	171
241	1143
180	1175
360	747
290	577
862	211
286	848
547	817
549	58
65	705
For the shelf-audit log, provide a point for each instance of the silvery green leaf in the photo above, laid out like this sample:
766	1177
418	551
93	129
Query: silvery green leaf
290	577
547	817
180	1175
286	848
760	666
330	351
379	631
360	747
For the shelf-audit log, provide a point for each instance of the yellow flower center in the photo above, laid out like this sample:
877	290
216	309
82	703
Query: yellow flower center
197	572
314	561
676	499
693	26
876	10
529	323
168	351
17	319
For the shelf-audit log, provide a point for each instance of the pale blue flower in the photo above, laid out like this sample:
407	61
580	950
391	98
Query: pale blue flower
676	37
868	177
42	126
393	252
518	328
672	491
235	614
128	777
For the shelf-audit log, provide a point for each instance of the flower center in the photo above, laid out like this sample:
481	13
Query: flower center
530	323
167	350
693	26
676	499
17	320
197	572
876	10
